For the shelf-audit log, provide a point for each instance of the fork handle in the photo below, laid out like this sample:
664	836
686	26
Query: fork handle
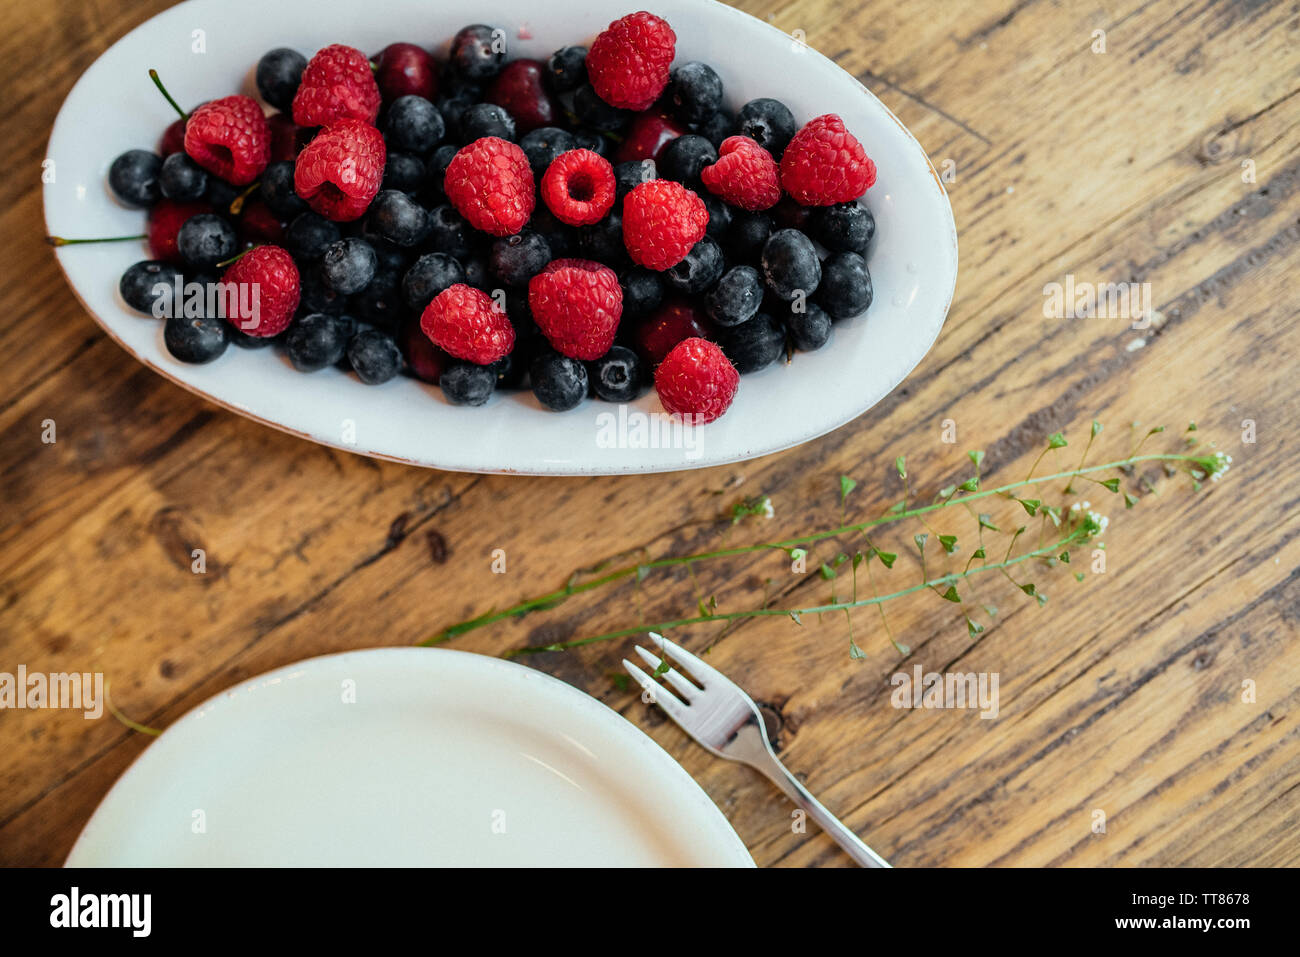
848	841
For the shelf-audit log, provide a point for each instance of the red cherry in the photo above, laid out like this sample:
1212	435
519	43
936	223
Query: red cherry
673	322
518	89
646	137
284	137
403	69
173	139
425	360
259	224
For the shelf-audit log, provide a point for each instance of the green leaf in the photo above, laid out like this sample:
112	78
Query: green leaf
1111	483
827	572
840	559
1030	504
641	572
1065	556
951	594
663	668
920	540
900	463
1042	599
1056	441
902	648
1028	589
986	521
621	681
947	491
1078	576
977	457
794	617
949	543
1096	428
1130	500
858	559
973	627
972	484
979	552
990	610
1191	426
1157	429
1054	514
897	507
886	558
847	485
854	651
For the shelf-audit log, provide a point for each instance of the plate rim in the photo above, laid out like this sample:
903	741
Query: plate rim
639	745
948	229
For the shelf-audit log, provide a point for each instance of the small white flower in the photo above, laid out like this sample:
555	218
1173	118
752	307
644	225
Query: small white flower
768	511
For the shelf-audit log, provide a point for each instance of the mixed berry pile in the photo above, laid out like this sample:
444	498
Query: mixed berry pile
585	225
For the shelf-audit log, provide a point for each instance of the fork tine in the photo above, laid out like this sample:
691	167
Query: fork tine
705	675
674	677
662	696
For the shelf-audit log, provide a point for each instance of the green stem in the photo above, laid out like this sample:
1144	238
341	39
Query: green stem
61	241
663	626
555	597
157	81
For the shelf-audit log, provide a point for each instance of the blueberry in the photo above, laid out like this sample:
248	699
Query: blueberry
278	74
517	259
617	375
643	291
543	145
381	302
317	340
221	194
701	268
736	297
395	217
448	232
787	214
374	356
477	273
431	274
478	52
844	227
240	338
566	69
348	265
181	179
510	370
809	327
684	158
452	106
413	125
206	239
603	242
199	339
596	142
278	192
716	128
790	264
150	285
747	235
629	175
133	177
755	343
309	235
404	172
486	119
435	171
316	295
592	111
720	215
767	122
694	91
464	383
562	238
845	289
559	383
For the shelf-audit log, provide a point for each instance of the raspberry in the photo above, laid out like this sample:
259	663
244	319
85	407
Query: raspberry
165	220
745	175
824	164
696	379
464	322
579	187
269	273
337	84
662	220
577	304
491	184
229	137
628	64
338	173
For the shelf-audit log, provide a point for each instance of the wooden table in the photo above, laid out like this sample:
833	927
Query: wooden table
1172	158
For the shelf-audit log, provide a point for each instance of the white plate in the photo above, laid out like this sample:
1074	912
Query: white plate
439	758
114	107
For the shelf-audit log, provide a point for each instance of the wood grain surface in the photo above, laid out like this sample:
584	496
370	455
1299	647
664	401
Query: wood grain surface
1123	695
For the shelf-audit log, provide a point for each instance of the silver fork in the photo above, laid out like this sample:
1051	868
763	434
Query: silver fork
725	721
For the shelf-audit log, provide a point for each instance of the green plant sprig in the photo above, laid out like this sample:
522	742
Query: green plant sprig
1205	464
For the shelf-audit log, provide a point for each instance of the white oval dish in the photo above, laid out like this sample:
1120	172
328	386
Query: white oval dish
913	262
406	757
